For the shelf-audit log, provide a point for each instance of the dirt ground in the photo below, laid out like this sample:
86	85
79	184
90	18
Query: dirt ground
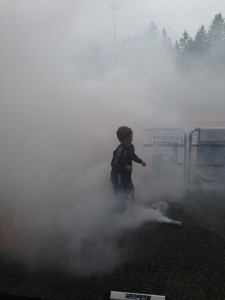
182	263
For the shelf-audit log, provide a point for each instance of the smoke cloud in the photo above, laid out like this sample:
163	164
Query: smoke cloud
61	104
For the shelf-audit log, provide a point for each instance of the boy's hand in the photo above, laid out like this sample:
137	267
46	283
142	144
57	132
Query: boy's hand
129	168
143	163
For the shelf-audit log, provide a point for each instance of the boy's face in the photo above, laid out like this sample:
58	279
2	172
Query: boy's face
128	140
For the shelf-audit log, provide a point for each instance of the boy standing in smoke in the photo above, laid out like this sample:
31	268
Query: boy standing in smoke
122	164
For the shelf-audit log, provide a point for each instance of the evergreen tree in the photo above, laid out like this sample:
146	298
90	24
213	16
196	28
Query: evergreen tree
152	34
177	47
184	51
216	34
165	41
186	43
201	41
207	49
216	40
164	36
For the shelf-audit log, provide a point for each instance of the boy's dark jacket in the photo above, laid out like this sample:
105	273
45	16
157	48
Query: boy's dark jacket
124	155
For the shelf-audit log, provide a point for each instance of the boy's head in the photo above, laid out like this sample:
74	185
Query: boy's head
125	135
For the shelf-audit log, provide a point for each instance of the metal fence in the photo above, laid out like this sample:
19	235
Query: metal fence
167	148
199	154
206	157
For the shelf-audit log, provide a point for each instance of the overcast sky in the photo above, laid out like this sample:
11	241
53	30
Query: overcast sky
93	20
133	16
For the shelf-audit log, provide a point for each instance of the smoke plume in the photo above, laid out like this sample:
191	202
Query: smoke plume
61	104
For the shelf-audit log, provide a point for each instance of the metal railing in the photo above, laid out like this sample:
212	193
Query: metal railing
201	153
206	155
168	146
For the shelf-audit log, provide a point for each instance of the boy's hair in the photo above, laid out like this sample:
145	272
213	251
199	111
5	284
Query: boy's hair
123	133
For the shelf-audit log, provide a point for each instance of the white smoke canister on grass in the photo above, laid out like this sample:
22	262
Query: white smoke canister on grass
134	296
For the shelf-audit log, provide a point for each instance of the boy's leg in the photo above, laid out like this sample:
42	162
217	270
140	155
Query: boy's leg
118	189
115	181
128	188
130	193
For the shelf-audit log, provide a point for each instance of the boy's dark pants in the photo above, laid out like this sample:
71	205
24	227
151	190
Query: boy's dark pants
122	185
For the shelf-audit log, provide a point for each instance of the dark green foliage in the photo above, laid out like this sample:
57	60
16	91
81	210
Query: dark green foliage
216	42
206	50
216	34
186	43
201	41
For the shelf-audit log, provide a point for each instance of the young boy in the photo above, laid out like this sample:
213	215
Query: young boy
122	164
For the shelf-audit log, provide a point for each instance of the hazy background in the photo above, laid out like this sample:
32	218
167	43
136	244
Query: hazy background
133	16
65	89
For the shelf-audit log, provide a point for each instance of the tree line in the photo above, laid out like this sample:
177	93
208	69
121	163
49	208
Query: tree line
206	51
207	48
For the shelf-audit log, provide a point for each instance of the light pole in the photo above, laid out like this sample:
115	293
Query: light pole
113	7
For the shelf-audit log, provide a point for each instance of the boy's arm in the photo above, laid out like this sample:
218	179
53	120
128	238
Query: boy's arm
135	158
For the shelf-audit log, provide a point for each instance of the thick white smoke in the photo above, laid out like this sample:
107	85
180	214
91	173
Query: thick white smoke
57	132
